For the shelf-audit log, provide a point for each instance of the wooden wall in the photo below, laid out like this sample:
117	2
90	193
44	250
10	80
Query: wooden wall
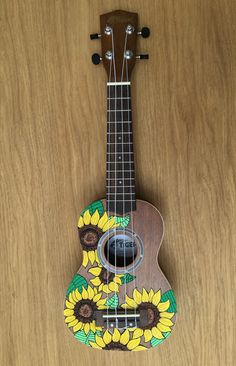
52	109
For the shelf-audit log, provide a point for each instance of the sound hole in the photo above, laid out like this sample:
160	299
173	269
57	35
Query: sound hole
120	250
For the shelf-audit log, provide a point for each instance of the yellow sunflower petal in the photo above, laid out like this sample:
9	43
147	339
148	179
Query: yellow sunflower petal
166	315
69	305
157	333
113	287
145	296
101	301
126	306
78	295
95	271
103	220
80	222
96	281
90	292
100	287
93	326
109	224
138	333
150	295
106	289
91	256
130	302
147	335
86	328
163	328
84	293
95	291
71	299
117	280
102	307
140	348
100	341
107	337
74	296
137	296
97	297
70	319
85	258
95	218
163	306
87	217
166	321
78	326
124	338
94	345
96	257
68	312
156	298
74	322
133	343
116	335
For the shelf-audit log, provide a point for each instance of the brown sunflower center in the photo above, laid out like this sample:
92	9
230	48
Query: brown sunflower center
106	276
153	315
84	311
116	346
89	237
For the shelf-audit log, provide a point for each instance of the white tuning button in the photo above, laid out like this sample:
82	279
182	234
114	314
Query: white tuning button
128	54
108	30
129	29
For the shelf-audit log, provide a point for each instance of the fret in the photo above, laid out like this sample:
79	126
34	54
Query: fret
121	186
118	110
119	152
121	194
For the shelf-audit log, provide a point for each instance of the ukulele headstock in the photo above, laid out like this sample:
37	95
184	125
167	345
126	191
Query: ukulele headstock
118	34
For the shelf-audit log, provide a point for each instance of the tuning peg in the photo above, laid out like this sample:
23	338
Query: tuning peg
95	36
96	59
144	56
145	32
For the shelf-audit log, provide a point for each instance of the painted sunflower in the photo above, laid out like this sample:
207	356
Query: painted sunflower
117	341
159	320
105	281
80	307
91	228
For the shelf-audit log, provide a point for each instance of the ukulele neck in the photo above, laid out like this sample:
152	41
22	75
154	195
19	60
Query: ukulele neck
120	187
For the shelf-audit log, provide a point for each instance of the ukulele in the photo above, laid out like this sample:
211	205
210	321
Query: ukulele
120	299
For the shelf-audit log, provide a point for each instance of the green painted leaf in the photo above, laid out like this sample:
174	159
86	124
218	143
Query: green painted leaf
113	302
122	221
155	341
96	205
127	278
78	282
83	338
169	295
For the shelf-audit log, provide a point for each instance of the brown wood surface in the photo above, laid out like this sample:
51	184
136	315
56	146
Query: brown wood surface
53	164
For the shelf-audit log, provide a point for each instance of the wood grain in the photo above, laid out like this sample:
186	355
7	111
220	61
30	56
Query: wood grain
53	164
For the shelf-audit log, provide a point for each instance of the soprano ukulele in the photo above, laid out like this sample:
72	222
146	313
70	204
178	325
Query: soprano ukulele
120	299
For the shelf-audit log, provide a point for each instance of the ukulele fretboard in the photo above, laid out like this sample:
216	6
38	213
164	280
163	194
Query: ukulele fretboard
120	156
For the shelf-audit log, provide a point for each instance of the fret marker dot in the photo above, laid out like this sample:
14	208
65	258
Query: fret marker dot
120	181
119	138
119	157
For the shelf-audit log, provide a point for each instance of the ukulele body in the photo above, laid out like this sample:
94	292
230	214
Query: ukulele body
103	287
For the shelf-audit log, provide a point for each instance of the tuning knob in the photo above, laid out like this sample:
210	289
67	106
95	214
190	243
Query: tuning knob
95	36
96	59
145	32
144	56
